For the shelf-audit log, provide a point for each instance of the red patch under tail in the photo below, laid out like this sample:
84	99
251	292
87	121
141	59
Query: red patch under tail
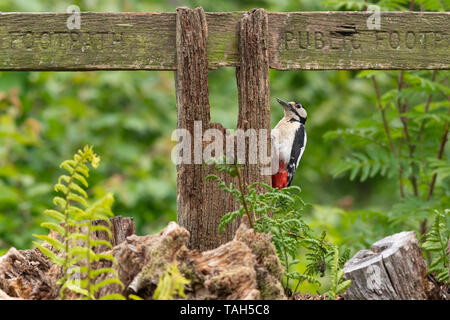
279	180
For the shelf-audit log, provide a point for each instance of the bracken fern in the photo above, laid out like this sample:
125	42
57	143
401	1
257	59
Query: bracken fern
278	213
73	243
170	284
436	242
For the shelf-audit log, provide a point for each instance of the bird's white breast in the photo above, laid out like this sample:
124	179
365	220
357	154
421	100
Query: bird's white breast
283	138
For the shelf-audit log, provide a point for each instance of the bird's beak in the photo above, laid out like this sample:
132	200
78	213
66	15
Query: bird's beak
285	104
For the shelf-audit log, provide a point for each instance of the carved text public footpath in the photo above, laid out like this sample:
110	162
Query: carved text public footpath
349	39
306	40
28	40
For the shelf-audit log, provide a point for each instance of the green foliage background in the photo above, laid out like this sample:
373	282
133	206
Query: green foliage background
129	117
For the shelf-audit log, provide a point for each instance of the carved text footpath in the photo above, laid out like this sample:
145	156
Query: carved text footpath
23	40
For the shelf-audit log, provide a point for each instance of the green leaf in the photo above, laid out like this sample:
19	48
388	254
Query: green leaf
77	198
106	282
59	187
53	226
50	254
58	201
81	179
78	189
115	296
67	166
52	241
55	214
75	288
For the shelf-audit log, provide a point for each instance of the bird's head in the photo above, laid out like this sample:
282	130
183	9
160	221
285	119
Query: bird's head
294	109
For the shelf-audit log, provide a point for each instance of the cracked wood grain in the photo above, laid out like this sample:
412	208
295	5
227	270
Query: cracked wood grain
200	203
252	75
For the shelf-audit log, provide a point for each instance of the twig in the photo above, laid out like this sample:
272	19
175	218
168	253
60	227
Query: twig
295	235
388	133
244	202
440	153
427	108
383	115
287	268
367	138
404	121
423	224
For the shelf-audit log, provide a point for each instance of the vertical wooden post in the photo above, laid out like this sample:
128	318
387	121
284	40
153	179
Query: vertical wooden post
252	75
201	204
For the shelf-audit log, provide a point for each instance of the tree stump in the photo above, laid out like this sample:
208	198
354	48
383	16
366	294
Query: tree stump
393	269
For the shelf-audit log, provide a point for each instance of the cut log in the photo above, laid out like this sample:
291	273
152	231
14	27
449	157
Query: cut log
393	269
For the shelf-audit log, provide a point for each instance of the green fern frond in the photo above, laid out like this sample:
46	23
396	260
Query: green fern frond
278	213
170	284
436	242
74	253
374	162
338	285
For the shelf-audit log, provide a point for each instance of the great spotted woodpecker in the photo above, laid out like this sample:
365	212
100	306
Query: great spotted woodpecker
289	141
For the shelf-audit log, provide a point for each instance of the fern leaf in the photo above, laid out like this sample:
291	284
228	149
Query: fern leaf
53	226
71	285
50	254
97	272
55	214
81	179
98	228
106	282
59	187
83	170
436	242
77	188
52	241
95	243
76	198
115	296
104	256
58	201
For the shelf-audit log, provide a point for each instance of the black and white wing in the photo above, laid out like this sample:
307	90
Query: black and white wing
298	147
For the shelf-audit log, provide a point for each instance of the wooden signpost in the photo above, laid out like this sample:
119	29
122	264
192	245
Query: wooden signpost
191	42
296	41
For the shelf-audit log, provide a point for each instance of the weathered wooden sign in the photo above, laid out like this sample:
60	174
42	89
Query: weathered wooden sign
297	40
